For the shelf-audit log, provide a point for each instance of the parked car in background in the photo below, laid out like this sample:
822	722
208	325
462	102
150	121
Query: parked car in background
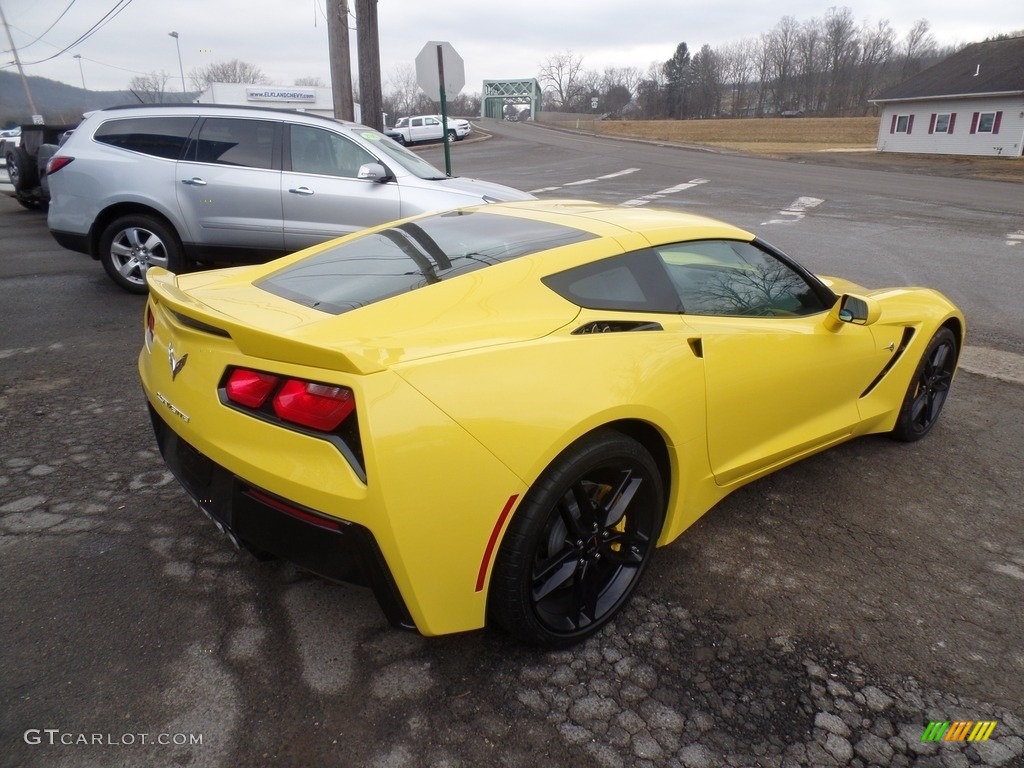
176	185
26	154
411	130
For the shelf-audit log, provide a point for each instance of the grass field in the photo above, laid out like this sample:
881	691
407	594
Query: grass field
767	135
815	139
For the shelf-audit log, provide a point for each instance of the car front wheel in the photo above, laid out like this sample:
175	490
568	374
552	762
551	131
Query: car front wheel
579	542
132	244
452	137
927	392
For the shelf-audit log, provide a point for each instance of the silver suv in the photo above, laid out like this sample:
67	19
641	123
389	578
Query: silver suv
179	185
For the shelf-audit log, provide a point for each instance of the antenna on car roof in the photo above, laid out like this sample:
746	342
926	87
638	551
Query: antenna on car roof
133	93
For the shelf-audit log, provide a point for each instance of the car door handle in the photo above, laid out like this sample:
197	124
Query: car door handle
301	190
195	181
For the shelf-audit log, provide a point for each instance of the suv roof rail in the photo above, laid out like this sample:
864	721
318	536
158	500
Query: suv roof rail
225	107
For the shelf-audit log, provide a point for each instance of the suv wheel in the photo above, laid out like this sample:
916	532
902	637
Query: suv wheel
132	244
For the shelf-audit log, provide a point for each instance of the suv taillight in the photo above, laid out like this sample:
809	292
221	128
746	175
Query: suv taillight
56	163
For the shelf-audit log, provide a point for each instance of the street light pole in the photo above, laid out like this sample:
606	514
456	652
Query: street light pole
80	70
180	68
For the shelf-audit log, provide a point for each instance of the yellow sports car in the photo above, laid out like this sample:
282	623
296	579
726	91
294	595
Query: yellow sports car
497	413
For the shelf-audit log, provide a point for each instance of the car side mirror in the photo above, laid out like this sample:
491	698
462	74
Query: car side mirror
374	172
854	310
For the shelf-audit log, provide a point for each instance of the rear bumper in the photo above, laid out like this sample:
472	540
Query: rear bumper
267	524
71	240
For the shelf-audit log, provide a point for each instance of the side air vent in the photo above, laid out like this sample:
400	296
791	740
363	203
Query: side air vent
908	334
616	326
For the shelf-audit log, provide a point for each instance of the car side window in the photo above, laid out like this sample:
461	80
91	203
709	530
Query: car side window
732	277
417	122
162	136
432	121
631	282
236	141
315	150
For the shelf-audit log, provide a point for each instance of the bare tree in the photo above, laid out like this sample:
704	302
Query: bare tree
841	47
312	82
738	64
150	88
560	76
784	40
918	44
810	55
877	45
234	71
762	66
623	77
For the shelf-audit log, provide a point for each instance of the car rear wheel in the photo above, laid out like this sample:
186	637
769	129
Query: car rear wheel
132	244
579	542
928	389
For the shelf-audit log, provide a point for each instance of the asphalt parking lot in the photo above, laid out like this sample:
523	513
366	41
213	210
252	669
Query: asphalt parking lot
823	616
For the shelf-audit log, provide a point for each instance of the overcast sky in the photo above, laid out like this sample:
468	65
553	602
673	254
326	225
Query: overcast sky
287	39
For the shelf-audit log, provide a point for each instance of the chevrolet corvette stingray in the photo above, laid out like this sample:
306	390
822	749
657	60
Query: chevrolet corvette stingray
497	413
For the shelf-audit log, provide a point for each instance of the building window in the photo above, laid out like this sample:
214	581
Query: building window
902	124
986	122
942	123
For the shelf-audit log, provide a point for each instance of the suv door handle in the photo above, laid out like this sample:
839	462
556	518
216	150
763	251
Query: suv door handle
301	190
195	181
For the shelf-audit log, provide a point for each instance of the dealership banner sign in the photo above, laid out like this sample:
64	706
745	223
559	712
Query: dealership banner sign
280	94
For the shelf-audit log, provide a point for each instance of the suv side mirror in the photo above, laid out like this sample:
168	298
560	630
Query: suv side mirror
853	309
374	172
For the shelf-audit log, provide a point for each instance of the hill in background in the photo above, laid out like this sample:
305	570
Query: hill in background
59	103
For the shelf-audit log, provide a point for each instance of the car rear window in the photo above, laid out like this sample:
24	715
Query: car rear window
157	136
399	259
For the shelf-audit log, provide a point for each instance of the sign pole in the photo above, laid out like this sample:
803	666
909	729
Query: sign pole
444	114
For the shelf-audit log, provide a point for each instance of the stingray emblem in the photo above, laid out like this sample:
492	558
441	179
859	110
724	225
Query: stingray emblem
176	363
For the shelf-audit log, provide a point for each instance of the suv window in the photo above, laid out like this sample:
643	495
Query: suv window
377	265
163	136
315	150
235	141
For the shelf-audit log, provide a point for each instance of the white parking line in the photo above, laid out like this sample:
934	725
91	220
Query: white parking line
1015	238
624	172
796	210
637	201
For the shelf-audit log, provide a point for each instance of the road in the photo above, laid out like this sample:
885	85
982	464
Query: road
821	616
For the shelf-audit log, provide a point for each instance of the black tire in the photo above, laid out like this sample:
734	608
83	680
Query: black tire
21	169
452	136
31	203
579	542
928	388
130	245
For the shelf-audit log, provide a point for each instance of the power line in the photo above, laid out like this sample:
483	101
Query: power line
109	16
40	36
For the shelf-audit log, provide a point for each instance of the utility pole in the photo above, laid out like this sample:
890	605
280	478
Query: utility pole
341	61
370	96
17	61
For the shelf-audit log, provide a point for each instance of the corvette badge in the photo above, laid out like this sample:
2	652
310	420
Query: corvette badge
176	363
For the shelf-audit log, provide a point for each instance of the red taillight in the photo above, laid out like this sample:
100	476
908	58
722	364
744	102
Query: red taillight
317	406
250	388
56	163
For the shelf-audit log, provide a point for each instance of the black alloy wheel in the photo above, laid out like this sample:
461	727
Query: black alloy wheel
579	542
928	388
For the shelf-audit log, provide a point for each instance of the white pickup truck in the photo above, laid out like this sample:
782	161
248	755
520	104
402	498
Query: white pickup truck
409	130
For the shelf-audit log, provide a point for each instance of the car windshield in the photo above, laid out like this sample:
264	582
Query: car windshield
375	266
398	154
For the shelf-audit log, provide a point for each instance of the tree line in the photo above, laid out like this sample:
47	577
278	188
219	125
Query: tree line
827	66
